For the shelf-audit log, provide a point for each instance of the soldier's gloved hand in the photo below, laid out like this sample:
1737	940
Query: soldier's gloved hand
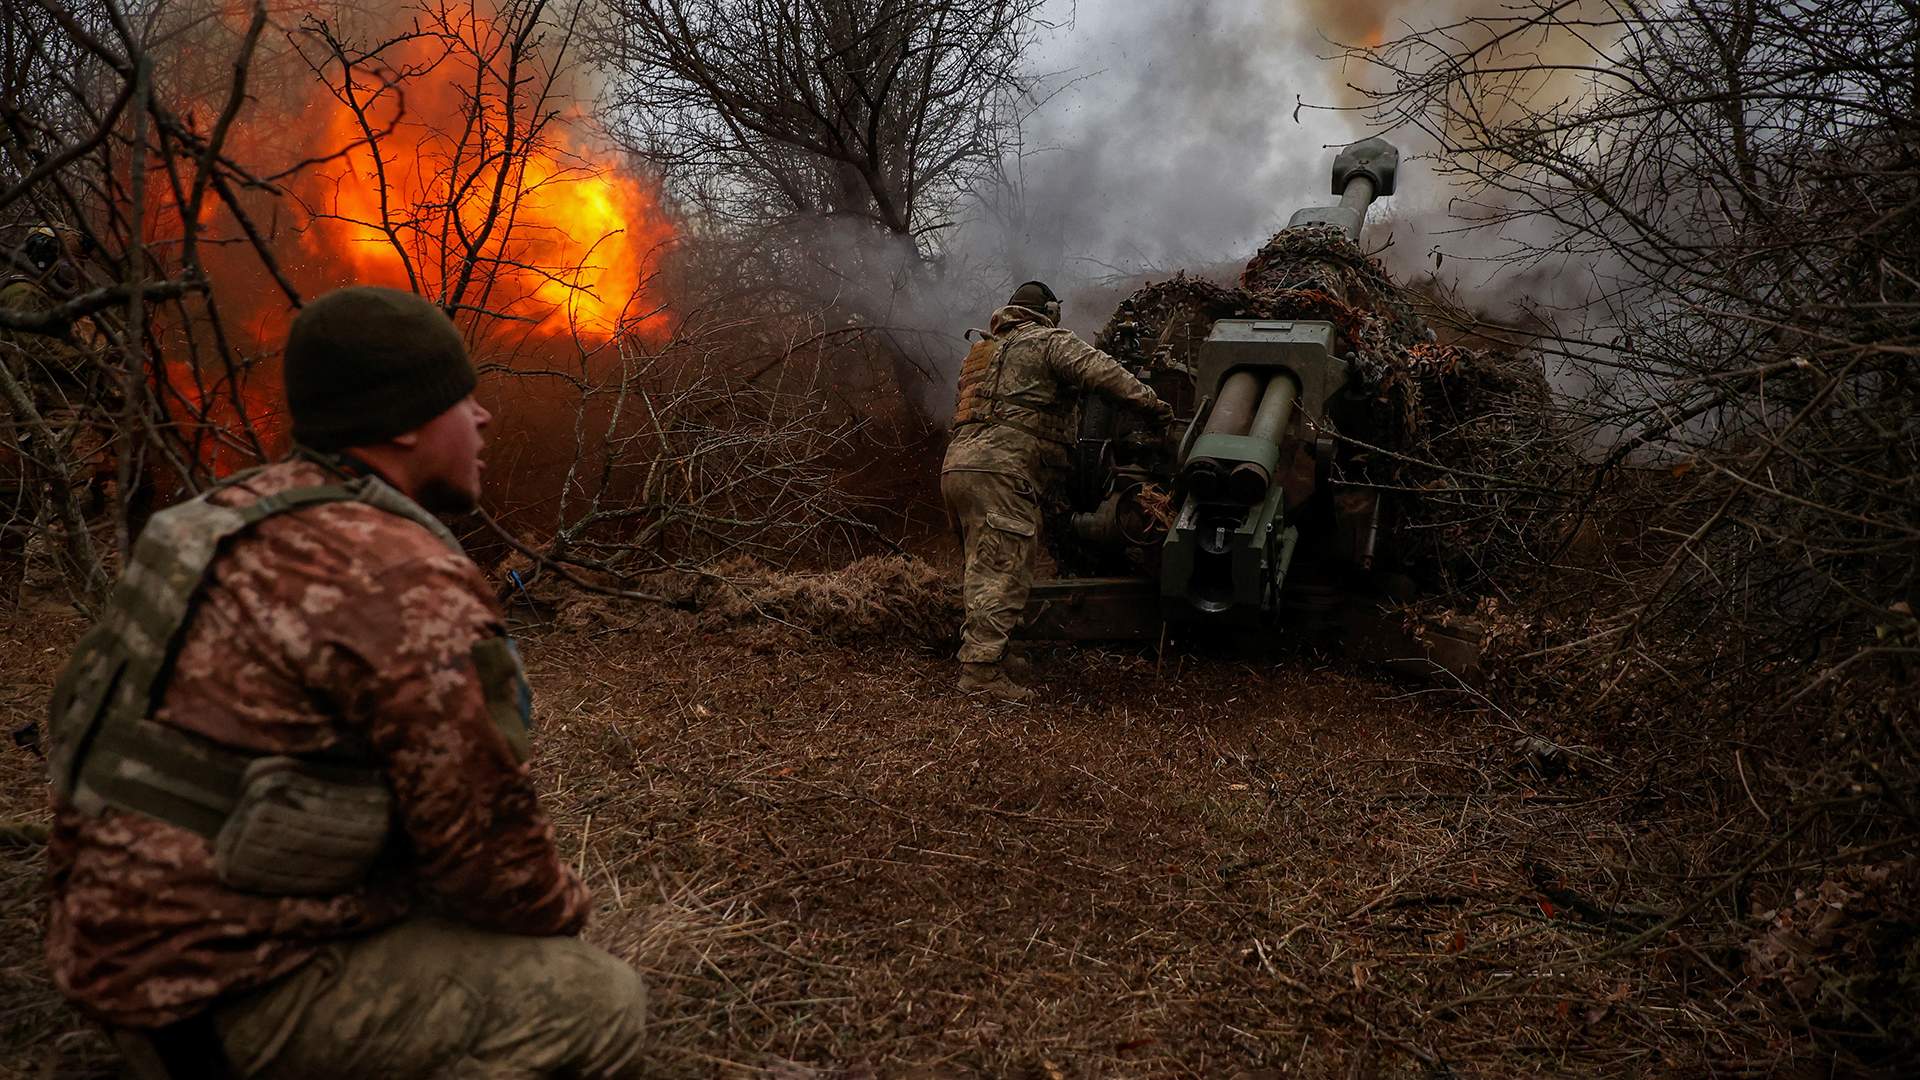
1163	412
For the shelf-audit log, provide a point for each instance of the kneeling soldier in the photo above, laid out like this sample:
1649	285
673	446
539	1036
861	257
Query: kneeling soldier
294	831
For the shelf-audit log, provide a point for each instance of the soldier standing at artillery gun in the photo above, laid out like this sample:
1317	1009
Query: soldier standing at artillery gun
294	830
1012	428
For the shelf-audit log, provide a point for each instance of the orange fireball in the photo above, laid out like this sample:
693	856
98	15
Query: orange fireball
502	212
430	164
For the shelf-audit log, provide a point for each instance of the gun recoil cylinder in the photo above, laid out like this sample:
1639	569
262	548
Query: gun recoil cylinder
1232	415
1248	481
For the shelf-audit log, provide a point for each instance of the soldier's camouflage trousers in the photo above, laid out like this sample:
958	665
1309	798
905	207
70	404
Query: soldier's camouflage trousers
999	520
429	998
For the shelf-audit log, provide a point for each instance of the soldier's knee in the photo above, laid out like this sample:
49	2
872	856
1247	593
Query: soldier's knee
601	997
627	1018
621	992
580	976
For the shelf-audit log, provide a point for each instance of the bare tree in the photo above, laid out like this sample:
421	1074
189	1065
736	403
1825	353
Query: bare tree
1743	176
835	141
760	113
445	194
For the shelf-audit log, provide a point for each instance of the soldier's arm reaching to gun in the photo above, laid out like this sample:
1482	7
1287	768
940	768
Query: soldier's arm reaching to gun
1074	361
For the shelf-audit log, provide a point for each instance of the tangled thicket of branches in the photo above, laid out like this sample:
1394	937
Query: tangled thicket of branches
1745	173
1746	179
676	460
114	375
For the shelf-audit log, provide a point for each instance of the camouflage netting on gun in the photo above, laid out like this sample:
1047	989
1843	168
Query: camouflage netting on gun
1178	313
1315	272
1466	435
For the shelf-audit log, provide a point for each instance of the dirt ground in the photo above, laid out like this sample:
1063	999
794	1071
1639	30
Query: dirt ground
831	864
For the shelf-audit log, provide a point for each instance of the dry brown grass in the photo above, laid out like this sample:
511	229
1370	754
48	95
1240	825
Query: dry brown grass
829	863
34	642
880	599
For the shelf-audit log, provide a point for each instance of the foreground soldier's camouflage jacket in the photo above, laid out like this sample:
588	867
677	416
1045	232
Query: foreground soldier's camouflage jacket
1015	414
322	626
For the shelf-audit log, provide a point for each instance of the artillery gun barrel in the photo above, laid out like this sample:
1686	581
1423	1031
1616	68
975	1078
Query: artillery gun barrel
1362	173
1359	193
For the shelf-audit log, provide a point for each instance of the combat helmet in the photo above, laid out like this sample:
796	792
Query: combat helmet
42	247
1036	296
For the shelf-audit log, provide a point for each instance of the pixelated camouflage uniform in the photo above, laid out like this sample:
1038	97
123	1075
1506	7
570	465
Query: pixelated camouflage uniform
1012	428
342	625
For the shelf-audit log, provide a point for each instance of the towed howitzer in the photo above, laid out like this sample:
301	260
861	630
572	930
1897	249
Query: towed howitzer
1245	523
1269	384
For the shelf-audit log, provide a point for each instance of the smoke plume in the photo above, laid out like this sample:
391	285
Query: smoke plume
1188	133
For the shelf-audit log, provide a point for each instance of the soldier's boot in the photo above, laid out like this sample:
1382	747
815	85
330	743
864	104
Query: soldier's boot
992	679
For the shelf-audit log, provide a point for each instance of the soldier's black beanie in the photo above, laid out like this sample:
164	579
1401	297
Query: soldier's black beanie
365	364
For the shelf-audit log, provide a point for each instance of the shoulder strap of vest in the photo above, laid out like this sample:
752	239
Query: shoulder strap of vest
999	364
106	751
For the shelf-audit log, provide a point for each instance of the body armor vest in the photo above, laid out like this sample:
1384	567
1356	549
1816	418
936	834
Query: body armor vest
279	825
987	397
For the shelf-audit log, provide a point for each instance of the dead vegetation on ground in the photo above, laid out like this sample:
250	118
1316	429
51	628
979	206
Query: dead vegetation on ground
880	599
875	600
830	864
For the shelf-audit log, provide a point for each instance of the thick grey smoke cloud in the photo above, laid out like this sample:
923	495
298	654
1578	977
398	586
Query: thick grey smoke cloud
1180	143
1183	135
1189	132
1178	136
